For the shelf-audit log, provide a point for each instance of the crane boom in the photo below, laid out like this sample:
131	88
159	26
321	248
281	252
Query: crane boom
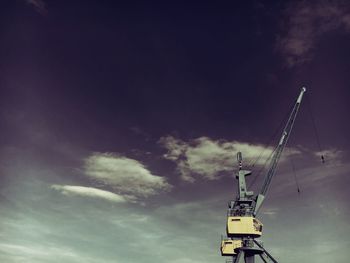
278	152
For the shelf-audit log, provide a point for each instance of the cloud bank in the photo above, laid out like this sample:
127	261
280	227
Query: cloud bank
305	22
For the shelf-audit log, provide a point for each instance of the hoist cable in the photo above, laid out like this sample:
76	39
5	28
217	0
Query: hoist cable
315	128
261	169
294	174
272	138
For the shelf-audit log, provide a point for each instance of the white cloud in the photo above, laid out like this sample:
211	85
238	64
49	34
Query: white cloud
305	22
126	176
271	212
311	177
207	158
71	190
40	253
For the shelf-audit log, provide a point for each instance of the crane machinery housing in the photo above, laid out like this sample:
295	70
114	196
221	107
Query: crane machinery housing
242	227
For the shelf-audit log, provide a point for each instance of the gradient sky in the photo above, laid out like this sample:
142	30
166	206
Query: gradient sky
120	124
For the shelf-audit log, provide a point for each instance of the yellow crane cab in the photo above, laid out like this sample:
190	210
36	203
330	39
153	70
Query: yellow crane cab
238	226
228	246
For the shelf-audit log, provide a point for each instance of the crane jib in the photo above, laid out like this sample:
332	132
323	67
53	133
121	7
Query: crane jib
281	145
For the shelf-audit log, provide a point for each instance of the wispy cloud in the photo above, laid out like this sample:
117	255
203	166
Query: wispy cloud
39	6
312	177
271	212
71	190
40	253
126	176
305	22
206	158
210	159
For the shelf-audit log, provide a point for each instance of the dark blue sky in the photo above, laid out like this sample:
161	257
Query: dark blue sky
133	110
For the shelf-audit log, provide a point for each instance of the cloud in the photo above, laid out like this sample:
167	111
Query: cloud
311	178
33	253
271	212
305	23
71	190
39	6
126	176
208	158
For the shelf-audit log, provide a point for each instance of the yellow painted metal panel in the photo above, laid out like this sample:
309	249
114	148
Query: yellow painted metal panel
247	225
228	246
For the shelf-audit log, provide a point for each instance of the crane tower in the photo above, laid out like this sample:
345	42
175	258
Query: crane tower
242	227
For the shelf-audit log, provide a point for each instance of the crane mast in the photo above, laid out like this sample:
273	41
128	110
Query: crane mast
242	226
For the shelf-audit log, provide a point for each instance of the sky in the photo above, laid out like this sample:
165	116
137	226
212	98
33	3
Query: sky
120	124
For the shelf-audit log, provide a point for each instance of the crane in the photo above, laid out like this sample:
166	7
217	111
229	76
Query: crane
242	227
